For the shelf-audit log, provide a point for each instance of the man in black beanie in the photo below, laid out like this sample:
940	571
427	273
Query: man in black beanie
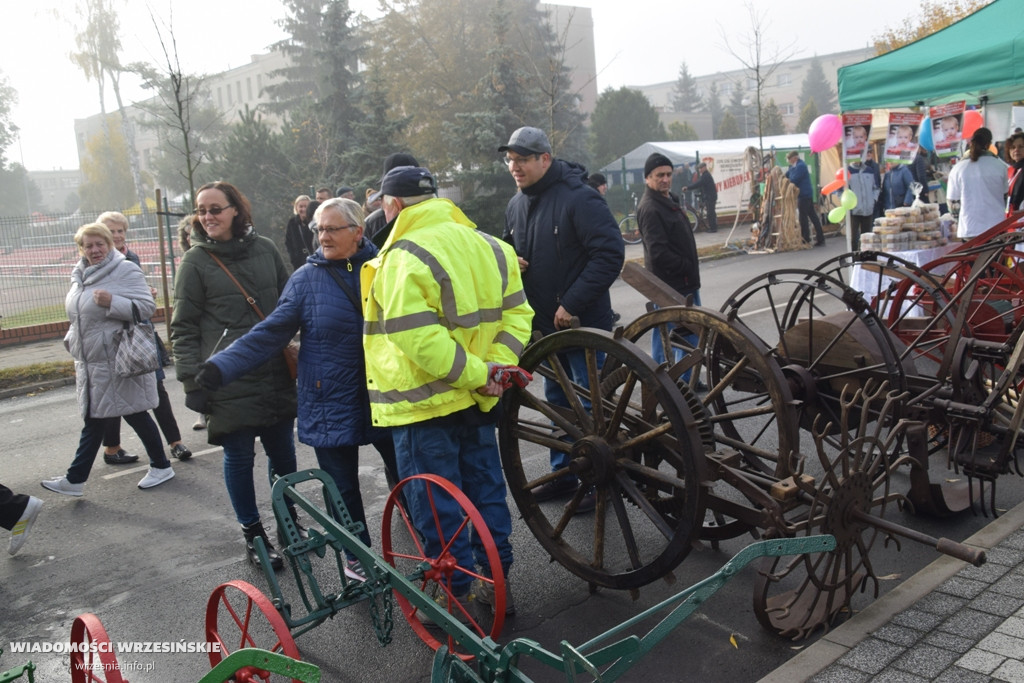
377	226
670	251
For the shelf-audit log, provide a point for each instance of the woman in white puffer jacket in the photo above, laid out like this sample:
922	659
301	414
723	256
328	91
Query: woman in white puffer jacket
104	288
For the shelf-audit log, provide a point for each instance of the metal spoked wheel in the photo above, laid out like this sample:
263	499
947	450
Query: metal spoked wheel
823	336
844	494
239	615
96	664
434	573
627	437
630	230
746	406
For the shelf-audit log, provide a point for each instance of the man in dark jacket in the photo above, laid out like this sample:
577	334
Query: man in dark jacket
799	175
670	251
570	252
705	184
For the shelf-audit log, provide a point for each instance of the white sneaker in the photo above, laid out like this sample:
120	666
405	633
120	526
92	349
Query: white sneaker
155	477
62	485
19	534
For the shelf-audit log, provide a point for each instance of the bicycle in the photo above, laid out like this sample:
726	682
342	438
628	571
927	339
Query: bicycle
628	226
630	229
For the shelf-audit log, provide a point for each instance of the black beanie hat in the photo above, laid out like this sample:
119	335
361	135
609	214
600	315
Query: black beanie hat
654	161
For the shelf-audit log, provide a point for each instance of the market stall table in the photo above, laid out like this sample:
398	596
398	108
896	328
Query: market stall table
869	282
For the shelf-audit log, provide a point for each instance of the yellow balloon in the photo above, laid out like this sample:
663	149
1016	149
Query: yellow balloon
848	200
837	214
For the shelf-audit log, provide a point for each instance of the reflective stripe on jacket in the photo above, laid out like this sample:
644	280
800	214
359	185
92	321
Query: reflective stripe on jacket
441	301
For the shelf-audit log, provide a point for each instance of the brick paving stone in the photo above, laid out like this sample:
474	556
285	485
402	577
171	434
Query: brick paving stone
941	603
989	572
980	661
962	587
925	660
1002	644
901	635
1011	670
898	677
1014	540
948	641
955	674
994	603
840	674
871	655
971	623
1014	626
917	619
1011	557
1012	584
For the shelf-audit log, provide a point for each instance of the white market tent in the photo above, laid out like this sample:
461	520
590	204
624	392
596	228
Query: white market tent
686	152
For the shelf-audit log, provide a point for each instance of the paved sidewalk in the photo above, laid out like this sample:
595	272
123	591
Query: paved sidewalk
948	622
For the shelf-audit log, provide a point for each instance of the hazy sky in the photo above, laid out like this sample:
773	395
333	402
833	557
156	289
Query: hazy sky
638	42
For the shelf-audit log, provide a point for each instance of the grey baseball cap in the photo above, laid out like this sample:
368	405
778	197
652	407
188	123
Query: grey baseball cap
527	140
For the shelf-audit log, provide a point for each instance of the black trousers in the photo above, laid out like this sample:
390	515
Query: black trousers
12	507
164	417
805	207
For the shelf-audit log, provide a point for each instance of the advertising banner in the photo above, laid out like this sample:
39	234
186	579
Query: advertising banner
901	144
947	124
856	128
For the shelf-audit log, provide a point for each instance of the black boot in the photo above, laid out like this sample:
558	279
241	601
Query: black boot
251	532
282	539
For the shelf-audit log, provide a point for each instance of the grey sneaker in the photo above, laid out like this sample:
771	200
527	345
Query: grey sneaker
484	591
19	534
441	599
62	485
200	423
155	477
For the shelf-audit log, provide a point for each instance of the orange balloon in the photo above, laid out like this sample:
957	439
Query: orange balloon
839	173
972	122
834	186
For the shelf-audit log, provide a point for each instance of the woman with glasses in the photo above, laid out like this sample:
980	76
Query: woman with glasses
210	312
322	301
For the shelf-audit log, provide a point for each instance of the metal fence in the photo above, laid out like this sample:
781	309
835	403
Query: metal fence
37	255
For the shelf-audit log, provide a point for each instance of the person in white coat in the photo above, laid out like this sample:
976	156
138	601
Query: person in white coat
979	184
105	286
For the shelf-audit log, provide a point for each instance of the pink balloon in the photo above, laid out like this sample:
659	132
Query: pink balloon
972	122
825	131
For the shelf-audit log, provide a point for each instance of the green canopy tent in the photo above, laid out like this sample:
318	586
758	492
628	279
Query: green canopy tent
978	59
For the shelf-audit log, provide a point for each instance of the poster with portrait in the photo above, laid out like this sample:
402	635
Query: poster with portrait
856	128
901	142
947	124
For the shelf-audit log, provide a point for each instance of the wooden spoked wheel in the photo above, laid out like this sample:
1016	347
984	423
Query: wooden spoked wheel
628	435
239	615
442	567
93	659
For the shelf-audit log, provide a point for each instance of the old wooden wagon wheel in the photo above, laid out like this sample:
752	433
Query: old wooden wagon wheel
822	334
630	436
844	493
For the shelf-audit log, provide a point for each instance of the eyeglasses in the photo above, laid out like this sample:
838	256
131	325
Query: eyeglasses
518	161
330	231
213	210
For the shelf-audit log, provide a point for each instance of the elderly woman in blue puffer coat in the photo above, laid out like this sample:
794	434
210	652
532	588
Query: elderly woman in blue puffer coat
321	300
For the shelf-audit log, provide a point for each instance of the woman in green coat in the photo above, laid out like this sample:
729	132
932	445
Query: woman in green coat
210	312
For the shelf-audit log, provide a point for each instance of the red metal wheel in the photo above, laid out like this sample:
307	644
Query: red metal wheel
233	623
99	661
402	547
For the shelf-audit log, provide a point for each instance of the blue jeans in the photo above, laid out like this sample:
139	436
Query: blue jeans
658	350
92	436
342	463
239	458
575	364
467	456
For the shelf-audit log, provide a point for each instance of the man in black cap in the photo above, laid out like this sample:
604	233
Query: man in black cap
376	222
345	192
570	251
670	251
705	184
444	306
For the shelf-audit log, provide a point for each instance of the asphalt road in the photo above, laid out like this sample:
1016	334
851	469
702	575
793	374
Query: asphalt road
146	561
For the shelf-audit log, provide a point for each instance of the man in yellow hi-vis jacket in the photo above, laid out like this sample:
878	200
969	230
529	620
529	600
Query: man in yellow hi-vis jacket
444	305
